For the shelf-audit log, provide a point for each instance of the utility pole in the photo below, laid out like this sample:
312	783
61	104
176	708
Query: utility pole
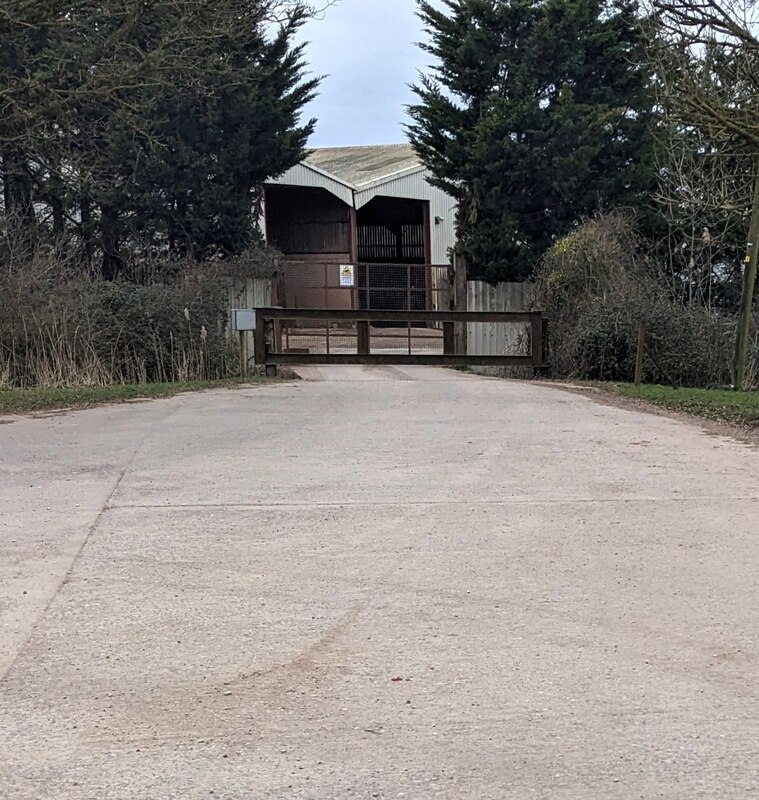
747	295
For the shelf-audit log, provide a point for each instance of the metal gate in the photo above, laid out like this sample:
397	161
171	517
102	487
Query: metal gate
384	337
367	286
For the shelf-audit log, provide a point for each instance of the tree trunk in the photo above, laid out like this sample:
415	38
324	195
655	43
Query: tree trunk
85	213
109	241
17	188
747	296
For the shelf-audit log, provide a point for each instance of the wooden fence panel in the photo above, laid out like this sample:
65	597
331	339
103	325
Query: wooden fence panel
498	339
248	293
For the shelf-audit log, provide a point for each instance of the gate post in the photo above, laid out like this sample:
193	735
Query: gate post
270	338
449	338
362	334
259	340
536	323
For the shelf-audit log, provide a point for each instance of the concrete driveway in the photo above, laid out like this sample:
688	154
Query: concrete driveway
377	584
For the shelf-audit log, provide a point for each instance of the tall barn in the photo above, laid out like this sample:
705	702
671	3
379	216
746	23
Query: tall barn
360	227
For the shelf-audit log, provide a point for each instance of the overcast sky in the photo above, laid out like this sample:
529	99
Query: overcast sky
367	51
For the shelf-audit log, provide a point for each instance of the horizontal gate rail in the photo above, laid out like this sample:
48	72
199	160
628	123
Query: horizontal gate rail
321	359
398	316
355	333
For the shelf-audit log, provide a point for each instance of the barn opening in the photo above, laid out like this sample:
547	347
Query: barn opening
387	241
393	243
312	229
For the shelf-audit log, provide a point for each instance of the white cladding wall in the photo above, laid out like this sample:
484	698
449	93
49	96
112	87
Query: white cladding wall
302	175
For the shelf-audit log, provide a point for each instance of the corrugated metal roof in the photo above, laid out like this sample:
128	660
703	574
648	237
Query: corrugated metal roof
362	166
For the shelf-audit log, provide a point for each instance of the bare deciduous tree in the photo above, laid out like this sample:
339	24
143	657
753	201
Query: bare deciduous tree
704	197
698	42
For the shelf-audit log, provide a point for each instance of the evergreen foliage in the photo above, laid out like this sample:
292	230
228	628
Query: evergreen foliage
534	116
137	126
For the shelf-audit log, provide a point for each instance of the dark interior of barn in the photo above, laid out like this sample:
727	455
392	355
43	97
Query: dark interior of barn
308	221
388	238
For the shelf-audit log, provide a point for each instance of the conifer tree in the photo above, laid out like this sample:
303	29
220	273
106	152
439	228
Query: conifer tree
128	122
534	115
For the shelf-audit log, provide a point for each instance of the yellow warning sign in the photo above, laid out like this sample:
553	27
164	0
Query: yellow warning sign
347	275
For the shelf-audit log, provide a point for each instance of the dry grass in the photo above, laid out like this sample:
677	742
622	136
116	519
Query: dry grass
61	326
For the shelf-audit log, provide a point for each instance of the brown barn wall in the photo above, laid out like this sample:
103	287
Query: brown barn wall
302	220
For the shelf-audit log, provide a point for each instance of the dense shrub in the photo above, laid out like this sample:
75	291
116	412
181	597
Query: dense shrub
61	327
686	346
174	331
598	288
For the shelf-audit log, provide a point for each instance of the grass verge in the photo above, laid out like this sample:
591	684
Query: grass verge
740	408
22	400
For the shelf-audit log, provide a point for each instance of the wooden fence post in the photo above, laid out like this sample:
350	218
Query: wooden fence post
243	355
270	339
460	302
536	324
747	294
640	355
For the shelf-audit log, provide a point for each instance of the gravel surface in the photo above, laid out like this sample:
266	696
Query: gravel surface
377	583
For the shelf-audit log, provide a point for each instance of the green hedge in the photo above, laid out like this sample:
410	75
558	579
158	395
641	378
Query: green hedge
81	331
598	286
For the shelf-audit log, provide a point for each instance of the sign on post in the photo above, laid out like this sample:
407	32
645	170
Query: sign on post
243	320
347	275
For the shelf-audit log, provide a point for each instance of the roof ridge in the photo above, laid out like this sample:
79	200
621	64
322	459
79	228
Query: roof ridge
362	146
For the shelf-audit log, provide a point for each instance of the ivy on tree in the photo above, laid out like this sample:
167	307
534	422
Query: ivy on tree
534	116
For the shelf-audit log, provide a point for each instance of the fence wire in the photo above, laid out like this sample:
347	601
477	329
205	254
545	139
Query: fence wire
363	287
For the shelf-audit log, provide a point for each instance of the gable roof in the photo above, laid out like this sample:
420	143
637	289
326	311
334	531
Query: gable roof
361	167
358	174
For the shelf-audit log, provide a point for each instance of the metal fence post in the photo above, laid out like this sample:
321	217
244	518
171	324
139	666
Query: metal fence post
363	336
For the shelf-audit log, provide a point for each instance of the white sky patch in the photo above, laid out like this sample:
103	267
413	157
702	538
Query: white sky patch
366	49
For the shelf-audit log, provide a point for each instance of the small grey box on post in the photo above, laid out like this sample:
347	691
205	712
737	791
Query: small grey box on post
243	321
